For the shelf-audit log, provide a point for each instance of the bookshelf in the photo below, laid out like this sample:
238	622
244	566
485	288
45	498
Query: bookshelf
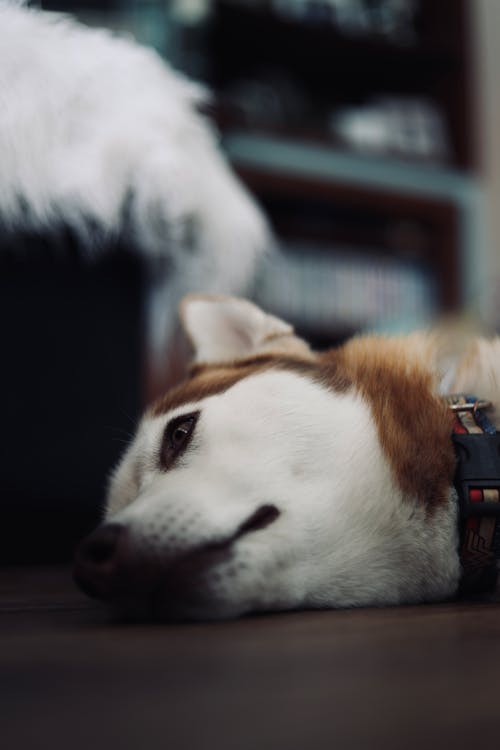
416	215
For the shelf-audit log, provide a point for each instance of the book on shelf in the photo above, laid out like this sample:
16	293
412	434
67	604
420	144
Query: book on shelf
332	288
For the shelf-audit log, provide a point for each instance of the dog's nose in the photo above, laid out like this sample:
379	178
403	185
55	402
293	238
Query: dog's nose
98	560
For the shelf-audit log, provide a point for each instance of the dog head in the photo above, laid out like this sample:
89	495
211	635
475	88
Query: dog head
276	478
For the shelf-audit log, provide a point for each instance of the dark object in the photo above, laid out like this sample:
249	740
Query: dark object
478	468
477	482
71	390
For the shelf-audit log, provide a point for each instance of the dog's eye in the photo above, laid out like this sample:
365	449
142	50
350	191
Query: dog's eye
181	432
177	435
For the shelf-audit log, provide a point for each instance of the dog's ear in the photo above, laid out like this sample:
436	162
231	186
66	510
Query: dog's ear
222	329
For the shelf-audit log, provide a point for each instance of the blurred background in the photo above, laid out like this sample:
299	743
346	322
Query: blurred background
368	132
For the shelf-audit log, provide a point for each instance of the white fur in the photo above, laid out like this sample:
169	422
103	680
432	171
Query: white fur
102	135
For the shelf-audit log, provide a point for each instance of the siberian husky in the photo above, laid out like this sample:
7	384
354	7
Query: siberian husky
278	478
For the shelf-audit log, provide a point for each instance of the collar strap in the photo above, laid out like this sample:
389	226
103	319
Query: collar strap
477	482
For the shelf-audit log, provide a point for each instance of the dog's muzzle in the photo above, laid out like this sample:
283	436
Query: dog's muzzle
108	566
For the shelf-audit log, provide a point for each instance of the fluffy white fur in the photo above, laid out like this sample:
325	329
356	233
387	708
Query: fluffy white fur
99	133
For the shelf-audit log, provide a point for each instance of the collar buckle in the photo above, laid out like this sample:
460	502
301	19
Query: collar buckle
471	406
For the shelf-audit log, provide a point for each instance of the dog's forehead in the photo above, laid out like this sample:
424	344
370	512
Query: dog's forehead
212	380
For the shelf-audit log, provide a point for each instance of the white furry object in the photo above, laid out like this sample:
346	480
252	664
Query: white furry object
99	133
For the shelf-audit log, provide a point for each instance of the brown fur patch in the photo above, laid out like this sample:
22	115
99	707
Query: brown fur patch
414	424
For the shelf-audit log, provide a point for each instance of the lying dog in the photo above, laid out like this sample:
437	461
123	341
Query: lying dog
275	477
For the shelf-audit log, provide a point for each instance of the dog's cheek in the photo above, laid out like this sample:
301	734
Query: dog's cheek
123	487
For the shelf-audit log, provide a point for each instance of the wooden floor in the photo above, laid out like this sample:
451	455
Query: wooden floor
414	677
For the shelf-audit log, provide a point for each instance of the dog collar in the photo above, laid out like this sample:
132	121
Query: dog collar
477	482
